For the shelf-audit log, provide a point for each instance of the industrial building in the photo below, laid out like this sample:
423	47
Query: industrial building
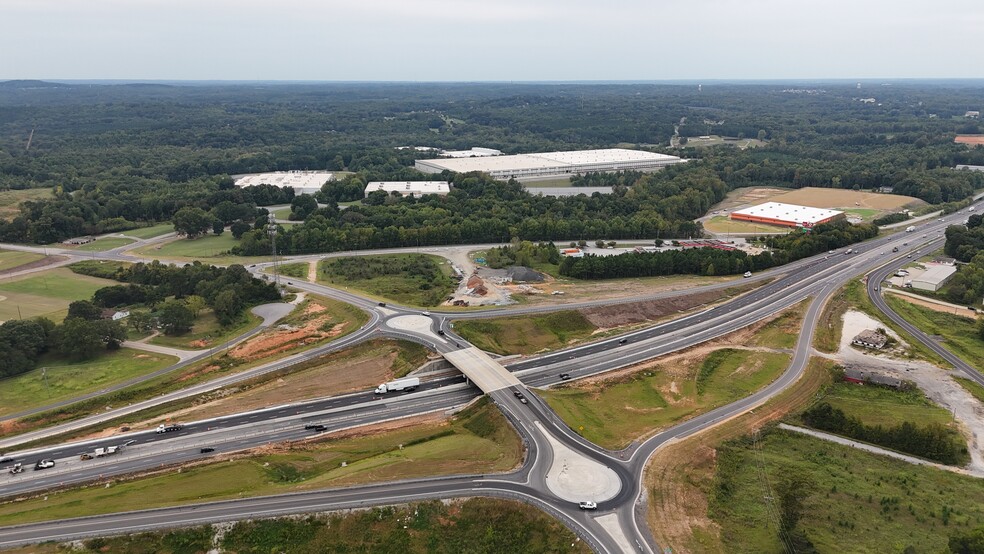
544	164
410	188
787	215
934	277
303	182
475	152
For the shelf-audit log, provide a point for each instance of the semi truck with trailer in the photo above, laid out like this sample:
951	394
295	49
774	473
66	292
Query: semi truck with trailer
168	427
400	385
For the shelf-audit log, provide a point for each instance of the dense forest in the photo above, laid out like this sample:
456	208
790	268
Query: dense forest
966	244
122	156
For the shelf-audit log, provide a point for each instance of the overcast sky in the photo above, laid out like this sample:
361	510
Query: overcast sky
490	40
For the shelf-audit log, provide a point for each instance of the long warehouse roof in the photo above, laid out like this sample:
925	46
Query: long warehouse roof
547	160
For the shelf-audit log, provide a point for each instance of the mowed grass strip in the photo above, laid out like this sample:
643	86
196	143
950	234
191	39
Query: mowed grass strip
478	440
103	244
66	379
11	259
615	412
959	333
526	334
150	232
849	497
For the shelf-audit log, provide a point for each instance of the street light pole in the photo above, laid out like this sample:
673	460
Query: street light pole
47	388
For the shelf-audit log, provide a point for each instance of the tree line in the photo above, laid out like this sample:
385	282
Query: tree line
932	441
712	261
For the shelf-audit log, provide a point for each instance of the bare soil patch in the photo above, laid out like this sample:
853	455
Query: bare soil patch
842	198
286	337
651	310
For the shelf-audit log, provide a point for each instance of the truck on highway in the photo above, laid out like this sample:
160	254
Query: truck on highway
910	228
168	427
406	385
107	451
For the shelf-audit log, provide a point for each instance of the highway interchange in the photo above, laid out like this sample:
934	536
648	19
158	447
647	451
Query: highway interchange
618	525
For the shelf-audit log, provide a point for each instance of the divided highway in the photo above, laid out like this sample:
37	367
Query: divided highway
816	278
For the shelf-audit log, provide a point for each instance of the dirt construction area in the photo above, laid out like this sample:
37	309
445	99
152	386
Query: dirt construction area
817	198
938	384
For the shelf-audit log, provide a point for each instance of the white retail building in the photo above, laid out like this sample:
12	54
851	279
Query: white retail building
520	166
934	277
407	188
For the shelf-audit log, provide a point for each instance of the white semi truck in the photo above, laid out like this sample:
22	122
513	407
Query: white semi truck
405	385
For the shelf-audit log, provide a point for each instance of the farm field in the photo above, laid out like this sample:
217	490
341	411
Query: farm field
66	379
46	294
477	440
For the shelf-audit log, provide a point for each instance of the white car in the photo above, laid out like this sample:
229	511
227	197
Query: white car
748	274
44	464
587	505
427	314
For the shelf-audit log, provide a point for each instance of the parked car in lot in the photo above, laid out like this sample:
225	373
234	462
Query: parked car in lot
44	464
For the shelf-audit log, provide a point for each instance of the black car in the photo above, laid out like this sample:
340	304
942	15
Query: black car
623	341
440	332
517	394
207	449
382	304
565	376
319	428
5	459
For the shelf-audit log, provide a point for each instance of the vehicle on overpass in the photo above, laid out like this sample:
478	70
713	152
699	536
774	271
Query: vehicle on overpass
400	385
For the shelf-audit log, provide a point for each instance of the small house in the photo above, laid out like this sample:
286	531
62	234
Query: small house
870	339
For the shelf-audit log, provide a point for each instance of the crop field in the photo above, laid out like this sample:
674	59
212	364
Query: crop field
842	198
46	294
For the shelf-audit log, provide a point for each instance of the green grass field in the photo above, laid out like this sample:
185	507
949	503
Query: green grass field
150	232
852	500
959	333
282	213
525	334
66	379
10	259
973	388
297	271
108	243
208	329
621	410
884	406
478	441
11	199
867	214
46	294
427	284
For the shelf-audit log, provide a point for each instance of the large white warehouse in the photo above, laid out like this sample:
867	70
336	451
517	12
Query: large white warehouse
303	182
526	166
410	188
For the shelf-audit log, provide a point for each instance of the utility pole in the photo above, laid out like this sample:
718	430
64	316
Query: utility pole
47	388
272	231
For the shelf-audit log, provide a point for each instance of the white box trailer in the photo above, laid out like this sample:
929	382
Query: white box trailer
407	385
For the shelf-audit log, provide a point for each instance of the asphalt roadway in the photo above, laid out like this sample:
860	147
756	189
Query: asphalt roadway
818	279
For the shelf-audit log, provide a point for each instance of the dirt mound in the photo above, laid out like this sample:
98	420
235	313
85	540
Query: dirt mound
522	274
